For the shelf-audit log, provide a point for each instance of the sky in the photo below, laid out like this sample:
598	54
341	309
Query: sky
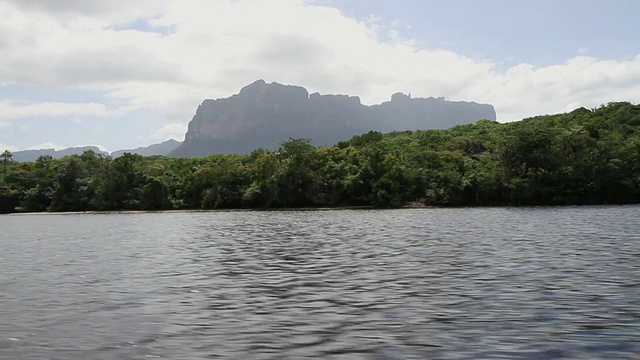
121	74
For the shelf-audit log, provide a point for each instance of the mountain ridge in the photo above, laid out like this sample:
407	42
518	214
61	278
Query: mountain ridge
29	155
162	148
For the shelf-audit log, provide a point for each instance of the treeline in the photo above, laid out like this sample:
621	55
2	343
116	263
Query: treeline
582	157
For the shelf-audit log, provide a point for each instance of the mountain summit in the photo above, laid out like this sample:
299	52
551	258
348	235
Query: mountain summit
263	115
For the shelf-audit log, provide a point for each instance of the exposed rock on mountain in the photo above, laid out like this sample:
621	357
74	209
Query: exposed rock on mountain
263	115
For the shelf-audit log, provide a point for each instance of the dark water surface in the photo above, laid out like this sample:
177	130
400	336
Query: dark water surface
536	283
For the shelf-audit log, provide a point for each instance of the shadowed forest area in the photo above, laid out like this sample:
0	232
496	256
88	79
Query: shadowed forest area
581	157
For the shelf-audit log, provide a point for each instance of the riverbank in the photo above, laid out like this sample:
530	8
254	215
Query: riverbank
309	209
201	210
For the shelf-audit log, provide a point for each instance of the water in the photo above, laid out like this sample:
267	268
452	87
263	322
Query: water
536	283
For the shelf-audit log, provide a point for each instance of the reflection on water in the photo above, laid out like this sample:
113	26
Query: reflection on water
539	283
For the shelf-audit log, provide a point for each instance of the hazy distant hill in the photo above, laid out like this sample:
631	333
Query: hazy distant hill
32	155
263	115
163	148
156	149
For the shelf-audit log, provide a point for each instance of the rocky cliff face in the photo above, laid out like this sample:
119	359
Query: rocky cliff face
263	115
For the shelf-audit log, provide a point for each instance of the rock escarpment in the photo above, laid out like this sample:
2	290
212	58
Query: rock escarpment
263	115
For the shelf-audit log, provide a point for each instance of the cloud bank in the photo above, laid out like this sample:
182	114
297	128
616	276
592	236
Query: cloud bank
166	56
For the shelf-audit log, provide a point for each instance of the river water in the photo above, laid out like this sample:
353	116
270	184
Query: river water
485	283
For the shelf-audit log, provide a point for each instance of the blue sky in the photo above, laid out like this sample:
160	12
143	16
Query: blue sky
122	74
541	32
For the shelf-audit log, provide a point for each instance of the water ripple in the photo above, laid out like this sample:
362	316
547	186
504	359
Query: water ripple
536	283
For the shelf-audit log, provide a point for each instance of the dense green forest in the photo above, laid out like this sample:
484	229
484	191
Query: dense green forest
582	157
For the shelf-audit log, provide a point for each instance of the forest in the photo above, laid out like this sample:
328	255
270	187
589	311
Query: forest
587	156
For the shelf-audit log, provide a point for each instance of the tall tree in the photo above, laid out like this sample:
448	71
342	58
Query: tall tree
7	156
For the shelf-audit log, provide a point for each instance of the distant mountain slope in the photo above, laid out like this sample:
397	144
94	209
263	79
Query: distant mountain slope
32	155
263	115
162	148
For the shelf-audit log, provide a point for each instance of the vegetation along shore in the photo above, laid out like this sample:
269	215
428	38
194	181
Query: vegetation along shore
582	157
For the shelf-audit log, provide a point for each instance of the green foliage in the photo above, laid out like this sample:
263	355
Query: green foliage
581	157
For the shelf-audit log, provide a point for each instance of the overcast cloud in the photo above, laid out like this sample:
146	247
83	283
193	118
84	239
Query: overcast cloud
163	57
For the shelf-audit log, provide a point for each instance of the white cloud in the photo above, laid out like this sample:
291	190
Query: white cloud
526	90
5	124
112	10
216	47
4	147
11	110
170	131
47	145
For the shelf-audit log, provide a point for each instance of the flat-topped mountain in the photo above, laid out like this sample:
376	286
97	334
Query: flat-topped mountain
263	115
